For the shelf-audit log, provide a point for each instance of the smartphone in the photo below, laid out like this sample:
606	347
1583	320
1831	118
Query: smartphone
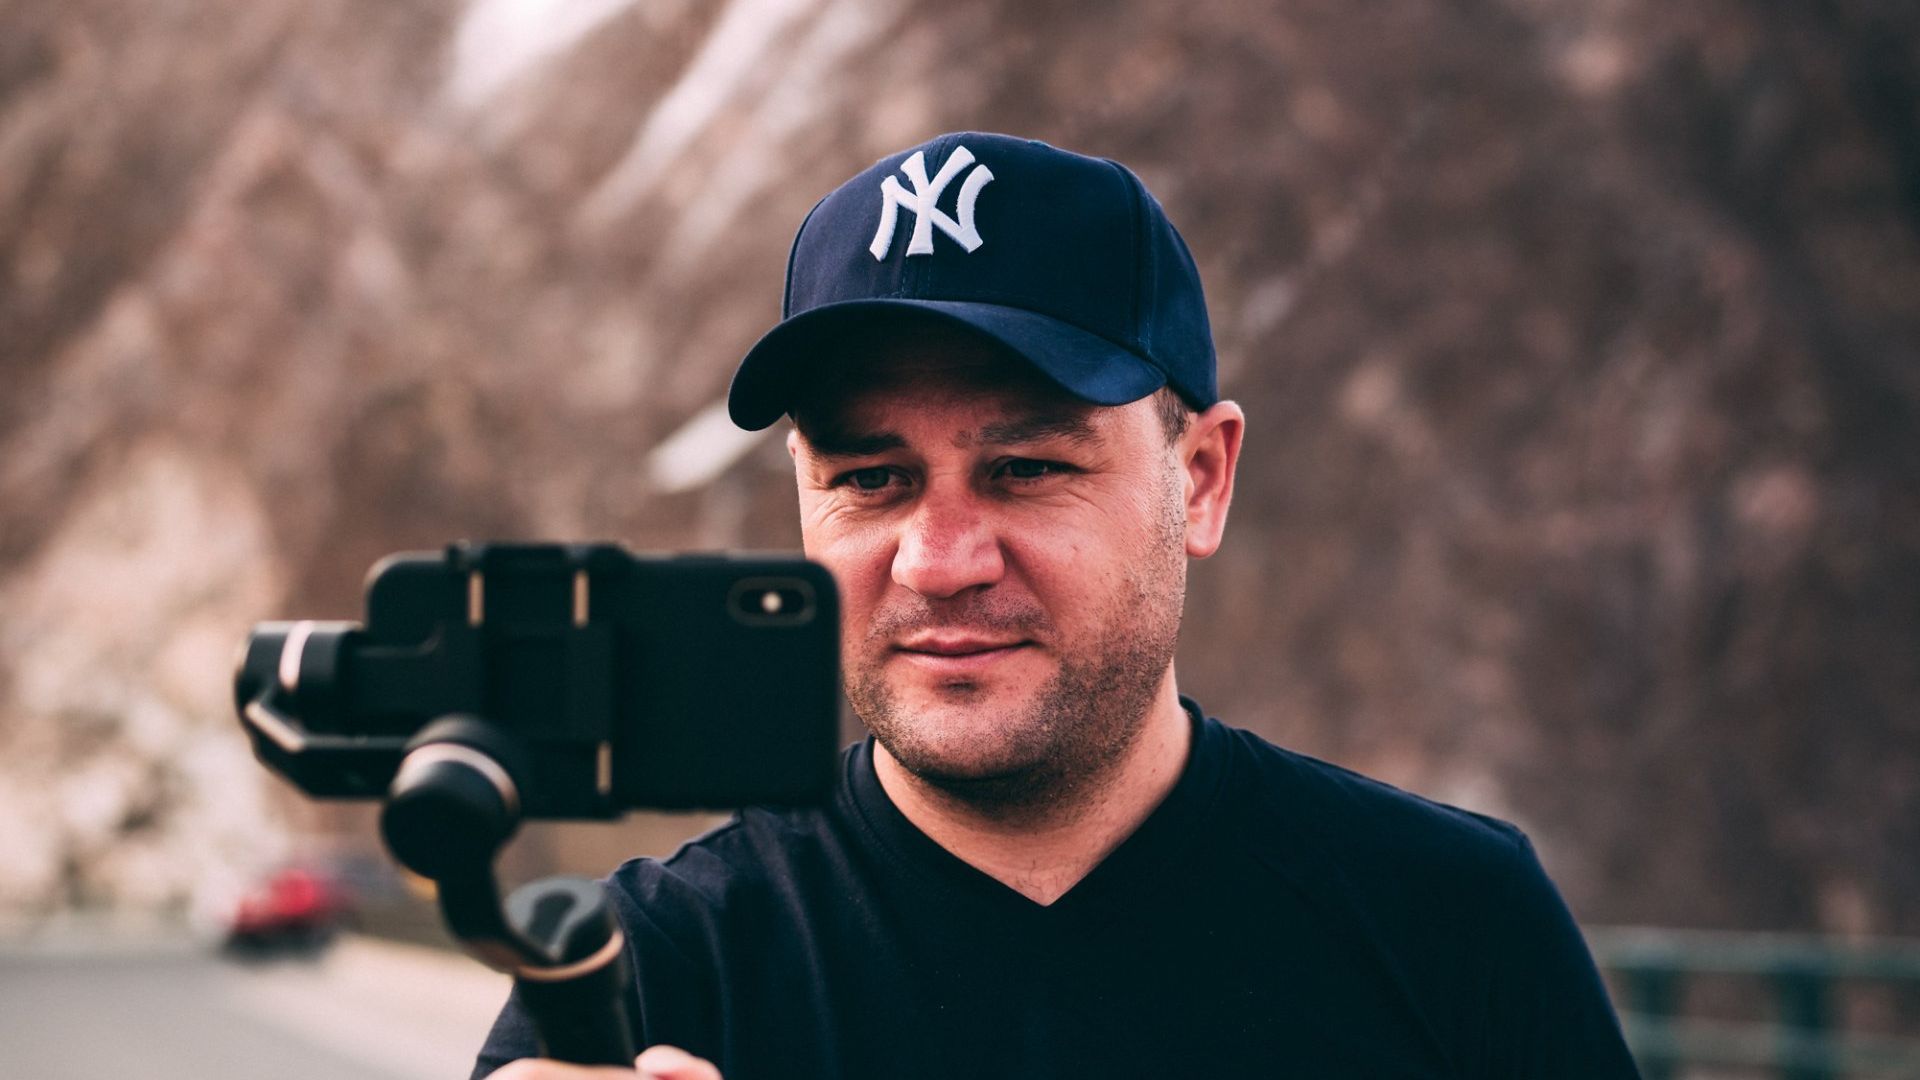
618	681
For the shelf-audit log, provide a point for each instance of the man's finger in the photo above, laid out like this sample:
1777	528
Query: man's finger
673	1063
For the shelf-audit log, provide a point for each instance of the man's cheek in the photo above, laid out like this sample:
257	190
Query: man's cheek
860	561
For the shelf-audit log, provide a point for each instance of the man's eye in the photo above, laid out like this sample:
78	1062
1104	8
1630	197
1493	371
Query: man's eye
1028	468
871	479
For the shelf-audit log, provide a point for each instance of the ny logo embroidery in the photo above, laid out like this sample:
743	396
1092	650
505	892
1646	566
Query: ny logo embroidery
921	203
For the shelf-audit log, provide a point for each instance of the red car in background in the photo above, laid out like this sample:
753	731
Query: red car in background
295	909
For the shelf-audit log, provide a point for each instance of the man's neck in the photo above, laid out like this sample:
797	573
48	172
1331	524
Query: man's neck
1041	857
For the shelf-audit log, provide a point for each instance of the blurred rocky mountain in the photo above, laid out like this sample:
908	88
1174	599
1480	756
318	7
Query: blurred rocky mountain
1579	342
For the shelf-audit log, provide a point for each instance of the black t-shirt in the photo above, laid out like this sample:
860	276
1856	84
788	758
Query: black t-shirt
1274	916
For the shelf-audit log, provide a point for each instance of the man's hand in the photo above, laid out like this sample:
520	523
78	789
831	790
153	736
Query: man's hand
657	1063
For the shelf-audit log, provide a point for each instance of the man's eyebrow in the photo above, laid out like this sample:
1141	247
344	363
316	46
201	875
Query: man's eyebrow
1074	427
835	445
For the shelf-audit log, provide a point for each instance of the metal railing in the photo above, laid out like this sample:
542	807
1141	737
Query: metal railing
1802	974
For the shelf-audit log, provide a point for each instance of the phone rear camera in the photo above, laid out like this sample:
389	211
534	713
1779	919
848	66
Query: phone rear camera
761	601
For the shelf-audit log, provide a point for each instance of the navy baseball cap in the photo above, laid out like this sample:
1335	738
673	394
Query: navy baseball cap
1065	260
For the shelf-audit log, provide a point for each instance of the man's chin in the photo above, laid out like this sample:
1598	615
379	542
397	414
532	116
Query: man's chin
968	714
971	702
961	736
971	774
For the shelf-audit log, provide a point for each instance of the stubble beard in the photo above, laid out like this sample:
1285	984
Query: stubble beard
1048	754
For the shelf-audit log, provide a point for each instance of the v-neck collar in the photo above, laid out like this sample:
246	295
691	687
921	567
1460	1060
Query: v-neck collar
1144	860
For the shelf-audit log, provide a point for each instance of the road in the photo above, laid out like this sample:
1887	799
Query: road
364	1010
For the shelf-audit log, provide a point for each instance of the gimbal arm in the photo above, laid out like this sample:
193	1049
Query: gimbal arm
452	806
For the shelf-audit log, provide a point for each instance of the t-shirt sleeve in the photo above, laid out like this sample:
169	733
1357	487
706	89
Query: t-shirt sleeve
1549	1014
511	1039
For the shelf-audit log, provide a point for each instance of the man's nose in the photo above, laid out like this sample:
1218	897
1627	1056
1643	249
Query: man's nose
946	547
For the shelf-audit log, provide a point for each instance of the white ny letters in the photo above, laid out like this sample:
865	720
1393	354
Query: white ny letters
921	204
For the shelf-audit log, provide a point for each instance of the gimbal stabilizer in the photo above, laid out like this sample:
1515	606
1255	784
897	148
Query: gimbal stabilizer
496	682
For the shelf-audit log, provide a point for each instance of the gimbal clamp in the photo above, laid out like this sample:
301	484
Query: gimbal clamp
453	804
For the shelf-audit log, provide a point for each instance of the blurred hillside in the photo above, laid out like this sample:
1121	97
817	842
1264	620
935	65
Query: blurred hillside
1578	340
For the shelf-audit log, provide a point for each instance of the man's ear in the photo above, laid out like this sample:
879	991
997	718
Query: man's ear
793	443
1209	453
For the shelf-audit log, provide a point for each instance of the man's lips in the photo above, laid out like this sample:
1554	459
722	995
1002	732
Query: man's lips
956	644
958	654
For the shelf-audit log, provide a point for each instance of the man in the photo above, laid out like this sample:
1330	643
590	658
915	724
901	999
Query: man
1008	442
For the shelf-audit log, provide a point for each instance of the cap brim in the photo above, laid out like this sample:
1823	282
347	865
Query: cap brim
1084	364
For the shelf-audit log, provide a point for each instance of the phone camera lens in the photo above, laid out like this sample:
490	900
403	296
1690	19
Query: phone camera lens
776	601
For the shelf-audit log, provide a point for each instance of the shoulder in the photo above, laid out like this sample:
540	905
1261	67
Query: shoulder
1452	905
757	852
692	915
765	871
1379	837
1450	901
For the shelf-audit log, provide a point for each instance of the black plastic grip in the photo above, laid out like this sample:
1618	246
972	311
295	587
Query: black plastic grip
579	1003
584	1020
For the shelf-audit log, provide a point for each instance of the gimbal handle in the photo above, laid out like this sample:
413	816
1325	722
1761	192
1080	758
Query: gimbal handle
453	804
